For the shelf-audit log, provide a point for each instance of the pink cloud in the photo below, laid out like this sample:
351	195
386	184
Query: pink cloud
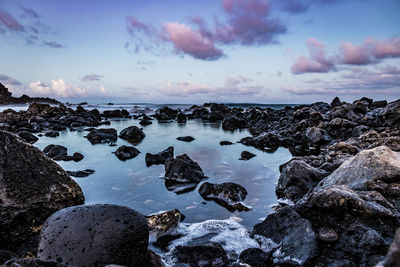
191	42
384	49
354	54
7	20
318	62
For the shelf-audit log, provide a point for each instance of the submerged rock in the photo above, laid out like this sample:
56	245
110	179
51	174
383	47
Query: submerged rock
185	138
126	152
104	135
95	235
52	134
77	157
202	254
33	187
183	169
145	122
228	195
159	158
132	134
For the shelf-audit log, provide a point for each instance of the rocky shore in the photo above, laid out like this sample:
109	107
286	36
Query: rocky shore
340	193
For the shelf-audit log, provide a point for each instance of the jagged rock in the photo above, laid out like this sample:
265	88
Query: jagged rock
228	195
182	169
126	152
33	187
104	135
166	114
393	256
164	223
132	134
336	102
108	234
159	158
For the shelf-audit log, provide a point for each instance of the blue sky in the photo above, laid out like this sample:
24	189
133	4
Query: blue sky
269	51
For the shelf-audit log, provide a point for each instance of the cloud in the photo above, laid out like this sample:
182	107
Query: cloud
235	81
301	6
384	48
10	23
92	77
29	12
53	44
245	23
318	62
355	54
8	80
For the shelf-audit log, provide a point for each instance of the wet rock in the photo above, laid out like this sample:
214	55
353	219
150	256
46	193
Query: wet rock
266	141
116	113
132	134
185	138
392	258
327	234
38	108
228	195
32	262
77	157
104	135
225	143
379	104
391	114
33	187
145	122
28	137
296	179
182	118
159	158
183	169
80	174
233	122
126	152
166	114
196	255
108	234
164	223
52	134
246	155
336	102
6	255
294	235
317	136
56	152
256	257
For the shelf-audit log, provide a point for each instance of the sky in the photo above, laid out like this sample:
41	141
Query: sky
181	51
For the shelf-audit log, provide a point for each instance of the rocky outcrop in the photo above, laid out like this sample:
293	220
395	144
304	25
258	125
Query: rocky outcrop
233	122
32	187
6	98
108	234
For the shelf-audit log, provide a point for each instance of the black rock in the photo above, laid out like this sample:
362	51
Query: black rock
33	187
203	254
80	174
183	170
166	114
393	256
185	138
32	262
256	257
225	143
6	255
246	155
159	158
132	134
336	102
28	137
145	122
57	152
182	118
233	122
104	135
95	235
163	224
52	134
126	152
228	195
77	157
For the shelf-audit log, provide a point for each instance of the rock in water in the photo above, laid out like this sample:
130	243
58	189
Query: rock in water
246	155
185	138
183	169
132	134
256	257
32	188
126	152
233	122
56	152
95	235
28	137
32	263
97	136
229	195
159	158
164	223
203	254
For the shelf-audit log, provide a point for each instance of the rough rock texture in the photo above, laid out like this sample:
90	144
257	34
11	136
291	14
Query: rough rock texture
392	258
106	135
233	122
182	169
56	152
28	137
164	223
132	134
294	235
95	235
159	158
32	187
255	257
203	254
126	152
296	179
229	195
32	263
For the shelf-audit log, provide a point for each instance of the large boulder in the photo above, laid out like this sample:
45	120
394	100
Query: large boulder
296	179
183	169
104	135
160	157
229	195
32	188
132	134
28	137
95	235
293	234
126	152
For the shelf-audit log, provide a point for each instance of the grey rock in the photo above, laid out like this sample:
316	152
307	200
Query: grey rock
104	135
126	152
